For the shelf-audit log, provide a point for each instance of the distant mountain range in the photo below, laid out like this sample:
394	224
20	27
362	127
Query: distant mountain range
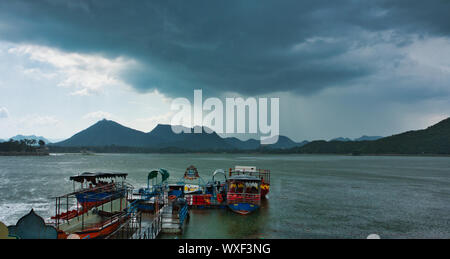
341	139
108	133
432	140
31	137
363	138
110	136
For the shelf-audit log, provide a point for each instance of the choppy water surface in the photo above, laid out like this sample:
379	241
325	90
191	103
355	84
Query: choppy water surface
311	196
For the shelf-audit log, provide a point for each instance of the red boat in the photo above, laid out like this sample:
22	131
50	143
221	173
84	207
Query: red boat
100	228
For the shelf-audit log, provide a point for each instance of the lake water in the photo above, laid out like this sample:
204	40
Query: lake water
311	196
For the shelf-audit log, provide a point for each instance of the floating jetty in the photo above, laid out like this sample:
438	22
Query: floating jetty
174	216
155	199
106	206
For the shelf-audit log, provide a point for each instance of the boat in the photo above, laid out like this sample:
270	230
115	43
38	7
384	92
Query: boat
244	193
217	188
150	198
213	194
193	183
96	210
262	174
98	188
191	173
190	183
176	189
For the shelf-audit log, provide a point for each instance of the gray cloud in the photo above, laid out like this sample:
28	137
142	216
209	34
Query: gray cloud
248	47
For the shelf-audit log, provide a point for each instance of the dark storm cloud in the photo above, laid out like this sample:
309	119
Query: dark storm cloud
249	47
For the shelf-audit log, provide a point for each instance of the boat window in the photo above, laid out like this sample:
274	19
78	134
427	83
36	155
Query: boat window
248	187
240	187
233	186
252	187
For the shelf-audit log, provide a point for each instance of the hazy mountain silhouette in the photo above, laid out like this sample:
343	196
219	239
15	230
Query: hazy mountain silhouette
284	142
107	133
341	139
362	138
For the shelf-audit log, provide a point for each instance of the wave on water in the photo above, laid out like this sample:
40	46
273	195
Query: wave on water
10	213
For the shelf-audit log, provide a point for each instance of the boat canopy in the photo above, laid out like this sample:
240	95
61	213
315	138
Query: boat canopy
251	169
91	177
244	178
219	171
154	173
191	173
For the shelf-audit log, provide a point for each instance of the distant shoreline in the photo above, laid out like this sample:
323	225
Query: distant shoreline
261	153
15	153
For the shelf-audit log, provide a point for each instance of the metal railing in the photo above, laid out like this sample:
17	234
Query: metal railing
263	174
244	198
113	191
199	199
182	214
151	231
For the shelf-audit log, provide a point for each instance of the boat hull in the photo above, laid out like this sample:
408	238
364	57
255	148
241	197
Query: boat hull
95	233
92	199
243	208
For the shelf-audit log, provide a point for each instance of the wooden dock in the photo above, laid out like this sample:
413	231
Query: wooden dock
140	226
173	220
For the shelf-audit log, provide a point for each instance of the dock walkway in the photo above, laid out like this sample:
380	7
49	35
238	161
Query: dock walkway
173	220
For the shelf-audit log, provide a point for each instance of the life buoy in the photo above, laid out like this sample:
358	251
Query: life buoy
219	198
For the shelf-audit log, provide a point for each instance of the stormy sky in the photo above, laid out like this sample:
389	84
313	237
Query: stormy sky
340	68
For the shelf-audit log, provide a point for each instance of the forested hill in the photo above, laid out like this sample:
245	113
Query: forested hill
432	140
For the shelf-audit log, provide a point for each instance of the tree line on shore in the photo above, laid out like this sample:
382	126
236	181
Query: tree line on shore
24	145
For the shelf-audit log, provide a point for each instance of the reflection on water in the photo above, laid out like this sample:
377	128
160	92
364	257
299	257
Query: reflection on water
223	223
310	197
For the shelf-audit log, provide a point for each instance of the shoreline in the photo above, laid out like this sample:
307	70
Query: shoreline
15	153
258	153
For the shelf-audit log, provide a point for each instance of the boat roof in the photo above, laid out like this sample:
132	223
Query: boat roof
191	173
91	176
176	184
240	168
219	171
244	177
154	173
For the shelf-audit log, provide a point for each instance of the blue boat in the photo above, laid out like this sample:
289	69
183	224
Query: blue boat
150	197
244	193
98	188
